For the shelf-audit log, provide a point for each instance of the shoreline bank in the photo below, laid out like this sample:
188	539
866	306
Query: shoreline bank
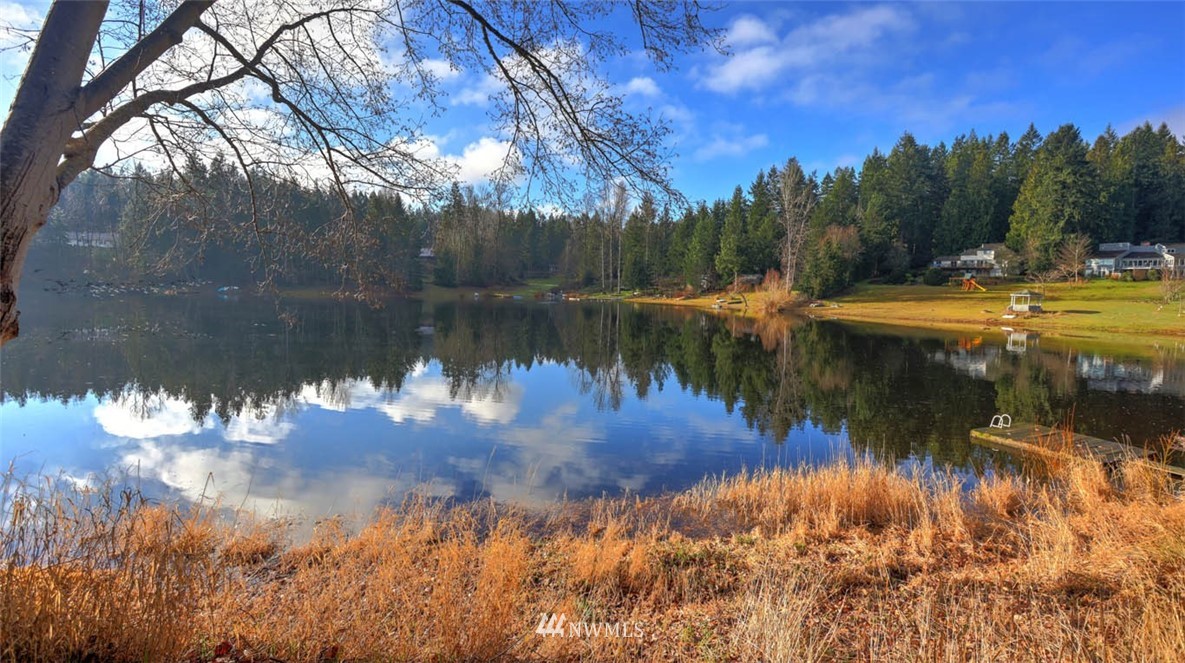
1113	313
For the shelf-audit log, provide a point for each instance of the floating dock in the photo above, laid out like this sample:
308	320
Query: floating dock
1038	440
1046	442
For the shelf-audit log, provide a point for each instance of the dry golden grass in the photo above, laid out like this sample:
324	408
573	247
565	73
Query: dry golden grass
852	561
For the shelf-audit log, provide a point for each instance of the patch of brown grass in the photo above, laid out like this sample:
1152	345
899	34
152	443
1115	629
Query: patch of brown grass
854	560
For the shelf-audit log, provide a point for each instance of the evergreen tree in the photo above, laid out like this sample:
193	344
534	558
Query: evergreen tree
763	232
834	240
636	268
913	196
1116	201
967	213
729	260
1157	177
1058	197
878	231
701	250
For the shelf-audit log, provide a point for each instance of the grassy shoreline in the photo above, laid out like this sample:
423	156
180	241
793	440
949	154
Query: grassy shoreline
1121	317
1101	311
852	561
1093	309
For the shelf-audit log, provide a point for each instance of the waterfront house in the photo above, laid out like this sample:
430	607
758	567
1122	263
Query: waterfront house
1174	258
1140	259
1116	258
973	263
1105	261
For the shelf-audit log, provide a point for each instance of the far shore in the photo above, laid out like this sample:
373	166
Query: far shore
1114	312
1117	314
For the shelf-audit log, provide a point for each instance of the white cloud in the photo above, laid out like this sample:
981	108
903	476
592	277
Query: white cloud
484	160
479	162
643	86
748	30
730	146
821	45
479	92
441	69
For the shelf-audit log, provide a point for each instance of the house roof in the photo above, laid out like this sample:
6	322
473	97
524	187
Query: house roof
1109	254
982	247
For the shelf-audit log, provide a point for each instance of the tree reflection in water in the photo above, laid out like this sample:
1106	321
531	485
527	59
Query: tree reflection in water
894	395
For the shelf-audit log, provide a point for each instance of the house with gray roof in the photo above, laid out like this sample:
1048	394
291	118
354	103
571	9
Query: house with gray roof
1116	258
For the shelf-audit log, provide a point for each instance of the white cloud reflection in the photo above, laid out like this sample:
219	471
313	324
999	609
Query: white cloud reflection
420	400
533	460
142	417
136	416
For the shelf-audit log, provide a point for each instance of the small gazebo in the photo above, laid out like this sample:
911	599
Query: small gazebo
1026	301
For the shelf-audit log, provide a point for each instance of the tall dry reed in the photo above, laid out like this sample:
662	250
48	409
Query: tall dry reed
850	561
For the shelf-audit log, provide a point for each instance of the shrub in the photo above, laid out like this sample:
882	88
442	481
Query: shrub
896	277
1154	275
934	276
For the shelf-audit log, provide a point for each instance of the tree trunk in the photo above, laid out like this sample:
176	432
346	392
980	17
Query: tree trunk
42	118
620	253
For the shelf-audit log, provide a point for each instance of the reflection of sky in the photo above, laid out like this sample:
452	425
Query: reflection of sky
345	447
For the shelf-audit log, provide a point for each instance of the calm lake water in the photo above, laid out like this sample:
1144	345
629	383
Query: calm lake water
316	408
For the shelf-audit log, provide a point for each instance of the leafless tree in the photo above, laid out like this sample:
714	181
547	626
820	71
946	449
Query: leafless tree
615	213
1171	287
329	91
1072	256
1042	277
798	198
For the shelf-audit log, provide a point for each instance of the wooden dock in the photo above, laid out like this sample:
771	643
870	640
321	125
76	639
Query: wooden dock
1037	440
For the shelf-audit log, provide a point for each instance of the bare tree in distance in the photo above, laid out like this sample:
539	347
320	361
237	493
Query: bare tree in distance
1171	287
328	91
1042	277
616	211
1072	256
798	197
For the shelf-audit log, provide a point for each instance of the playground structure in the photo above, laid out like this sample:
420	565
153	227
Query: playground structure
967	284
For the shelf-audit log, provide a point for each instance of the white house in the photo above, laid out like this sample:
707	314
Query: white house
1105	261
1142	259
982	261
1174	258
974	262
1114	258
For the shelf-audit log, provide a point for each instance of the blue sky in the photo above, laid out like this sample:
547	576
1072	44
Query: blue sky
828	82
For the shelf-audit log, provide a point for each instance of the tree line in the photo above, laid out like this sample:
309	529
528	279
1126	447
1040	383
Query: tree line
890	217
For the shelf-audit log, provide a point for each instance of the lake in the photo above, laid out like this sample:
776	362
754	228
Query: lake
314	408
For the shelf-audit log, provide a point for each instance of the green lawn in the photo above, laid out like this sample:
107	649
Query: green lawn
1095	309
526	290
